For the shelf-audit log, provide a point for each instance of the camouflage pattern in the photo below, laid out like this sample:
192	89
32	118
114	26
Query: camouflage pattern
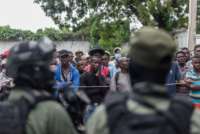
149	46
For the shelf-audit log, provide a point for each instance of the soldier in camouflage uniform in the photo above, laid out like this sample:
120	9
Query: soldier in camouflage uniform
150	54
29	65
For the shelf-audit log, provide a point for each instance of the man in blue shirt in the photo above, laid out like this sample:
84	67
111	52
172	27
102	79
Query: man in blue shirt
66	74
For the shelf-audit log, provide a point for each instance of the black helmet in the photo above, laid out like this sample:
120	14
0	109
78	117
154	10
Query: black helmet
28	63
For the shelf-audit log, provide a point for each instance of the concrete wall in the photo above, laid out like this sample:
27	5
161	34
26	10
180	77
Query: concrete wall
181	38
69	45
197	39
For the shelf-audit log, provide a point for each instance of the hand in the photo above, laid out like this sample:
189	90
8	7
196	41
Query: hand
60	85
182	83
188	82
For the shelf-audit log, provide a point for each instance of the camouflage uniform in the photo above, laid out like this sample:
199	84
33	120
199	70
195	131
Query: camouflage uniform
47	117
148	47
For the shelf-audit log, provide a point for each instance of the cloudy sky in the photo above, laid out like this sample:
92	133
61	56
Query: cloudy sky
23	14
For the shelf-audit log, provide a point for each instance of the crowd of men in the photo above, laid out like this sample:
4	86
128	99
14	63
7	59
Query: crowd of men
152	88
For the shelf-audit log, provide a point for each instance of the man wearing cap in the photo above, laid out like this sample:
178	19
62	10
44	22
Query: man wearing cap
149	108
66	74
98	53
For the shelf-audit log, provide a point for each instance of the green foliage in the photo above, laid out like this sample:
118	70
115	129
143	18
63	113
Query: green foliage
166	14
9	34
64	12
106	22
95	32
109	35
6	33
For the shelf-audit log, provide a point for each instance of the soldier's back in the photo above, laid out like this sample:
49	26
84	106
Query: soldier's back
47	117
101	120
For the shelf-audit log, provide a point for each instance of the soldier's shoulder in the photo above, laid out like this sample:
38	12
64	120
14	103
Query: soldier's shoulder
50	105
48	110
99	116
100	111
98	122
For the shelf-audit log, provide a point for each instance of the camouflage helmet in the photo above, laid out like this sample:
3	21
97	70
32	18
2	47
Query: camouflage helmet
149	46
29	53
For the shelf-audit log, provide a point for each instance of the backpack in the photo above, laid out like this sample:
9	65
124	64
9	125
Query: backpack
172	121
14	114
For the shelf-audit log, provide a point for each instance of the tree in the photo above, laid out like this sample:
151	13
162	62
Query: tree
109	34
167	14
65	13
106	22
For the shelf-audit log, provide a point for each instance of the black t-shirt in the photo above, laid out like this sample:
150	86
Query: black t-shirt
96	94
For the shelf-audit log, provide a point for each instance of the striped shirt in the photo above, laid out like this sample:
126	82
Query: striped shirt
192	74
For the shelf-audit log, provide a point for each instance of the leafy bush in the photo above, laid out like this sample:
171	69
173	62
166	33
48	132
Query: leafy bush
9	34
109	35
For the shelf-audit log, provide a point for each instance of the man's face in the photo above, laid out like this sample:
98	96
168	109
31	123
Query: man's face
187	53
79	54
71	56
181	58
105	60
95	62
84	59
65	59
196	63
197	51
123	63
81	65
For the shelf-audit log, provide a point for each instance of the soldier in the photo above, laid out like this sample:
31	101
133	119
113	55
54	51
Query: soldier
149	109
29	108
